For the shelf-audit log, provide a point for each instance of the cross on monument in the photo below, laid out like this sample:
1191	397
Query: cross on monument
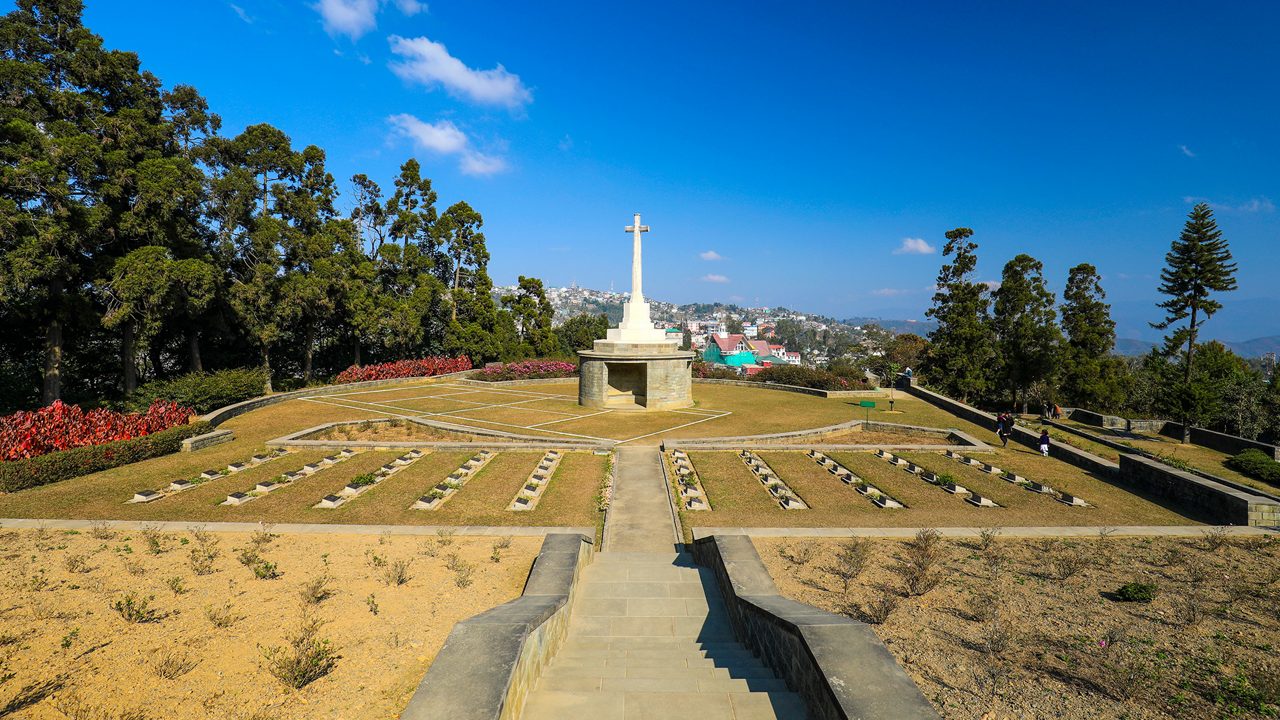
637	293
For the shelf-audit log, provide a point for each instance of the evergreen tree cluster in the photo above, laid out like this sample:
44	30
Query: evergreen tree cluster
139	241
1013	347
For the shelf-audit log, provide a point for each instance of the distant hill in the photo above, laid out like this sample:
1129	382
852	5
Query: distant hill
1254	348
918	327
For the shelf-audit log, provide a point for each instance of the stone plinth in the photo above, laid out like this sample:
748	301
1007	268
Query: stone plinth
635	376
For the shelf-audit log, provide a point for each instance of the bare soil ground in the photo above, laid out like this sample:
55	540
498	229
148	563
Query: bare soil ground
1034	629
65	652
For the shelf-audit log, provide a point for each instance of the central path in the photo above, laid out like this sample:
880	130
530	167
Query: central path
648	633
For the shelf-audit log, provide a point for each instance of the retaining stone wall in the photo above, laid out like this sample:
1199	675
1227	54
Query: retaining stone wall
1222	442
838	666
1066	453
1214	501
490	662
200	442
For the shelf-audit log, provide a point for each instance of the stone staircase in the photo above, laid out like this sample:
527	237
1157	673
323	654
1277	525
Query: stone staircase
648	637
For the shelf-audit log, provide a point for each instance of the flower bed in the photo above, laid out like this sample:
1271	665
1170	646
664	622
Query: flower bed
63	465
422	367
60	426
528	370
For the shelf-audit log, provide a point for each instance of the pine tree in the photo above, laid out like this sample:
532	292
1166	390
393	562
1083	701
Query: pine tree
1091	376
532	313
961	348
1025	324
1197	265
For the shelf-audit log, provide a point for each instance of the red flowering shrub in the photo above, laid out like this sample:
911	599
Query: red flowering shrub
52	467
528	370
61	427
423	367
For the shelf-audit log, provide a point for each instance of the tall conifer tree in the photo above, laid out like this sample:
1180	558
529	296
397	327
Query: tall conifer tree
1026	329
1091	376
1197	265
961	348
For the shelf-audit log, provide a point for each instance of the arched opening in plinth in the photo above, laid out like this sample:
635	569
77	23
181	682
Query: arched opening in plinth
627	384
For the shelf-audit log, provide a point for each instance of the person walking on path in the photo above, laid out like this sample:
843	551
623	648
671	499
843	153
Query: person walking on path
1044	443
1004	428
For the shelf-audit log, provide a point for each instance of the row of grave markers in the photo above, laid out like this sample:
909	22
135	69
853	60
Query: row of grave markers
177	486
269	486
781	492
692	494
448	487
1033	486
529	495
952	487
878	497
356	487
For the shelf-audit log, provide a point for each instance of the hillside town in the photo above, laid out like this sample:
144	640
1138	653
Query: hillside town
745	340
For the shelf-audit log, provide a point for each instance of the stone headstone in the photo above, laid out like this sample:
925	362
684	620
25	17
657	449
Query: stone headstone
980	501
236	498
145	496
180	485
211	474
955	489
265	486
329	502
1072	500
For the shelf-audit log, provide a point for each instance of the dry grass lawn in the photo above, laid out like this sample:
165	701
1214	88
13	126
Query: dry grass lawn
483	501
1034	629
739	500
65	652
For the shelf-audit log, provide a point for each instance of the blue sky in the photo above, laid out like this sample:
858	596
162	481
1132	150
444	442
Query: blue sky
800	154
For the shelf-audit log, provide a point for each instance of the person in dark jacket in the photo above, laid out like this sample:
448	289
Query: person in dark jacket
1044	443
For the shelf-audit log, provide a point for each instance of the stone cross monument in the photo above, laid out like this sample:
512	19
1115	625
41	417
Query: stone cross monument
636	326
635	367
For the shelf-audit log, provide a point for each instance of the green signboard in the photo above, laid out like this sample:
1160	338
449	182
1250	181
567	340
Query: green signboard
867	403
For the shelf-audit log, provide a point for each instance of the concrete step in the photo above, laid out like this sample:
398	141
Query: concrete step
672	662
673	654
710	647
709	672
668	684
644	607
656	626
614	705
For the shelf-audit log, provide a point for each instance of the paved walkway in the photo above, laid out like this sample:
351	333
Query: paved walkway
648	634
297	528
1005	532
640	518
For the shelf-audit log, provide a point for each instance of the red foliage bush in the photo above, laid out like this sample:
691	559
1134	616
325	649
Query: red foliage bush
423	367
60	427
528	370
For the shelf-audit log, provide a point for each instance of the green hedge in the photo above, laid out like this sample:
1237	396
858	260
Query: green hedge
22	474
810	378
203	391
1257	465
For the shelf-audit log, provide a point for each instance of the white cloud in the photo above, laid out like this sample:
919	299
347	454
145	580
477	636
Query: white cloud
915	246
714	278
1186	151
1258	204
444	138
710	255
474	163
239	11
889	292
411	7
429	63
352	18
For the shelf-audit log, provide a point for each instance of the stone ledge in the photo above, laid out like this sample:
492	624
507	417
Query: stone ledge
838	666
490	662
200	442
815	435
1207	498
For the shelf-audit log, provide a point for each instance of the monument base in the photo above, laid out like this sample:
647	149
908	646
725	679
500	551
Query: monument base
635	376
